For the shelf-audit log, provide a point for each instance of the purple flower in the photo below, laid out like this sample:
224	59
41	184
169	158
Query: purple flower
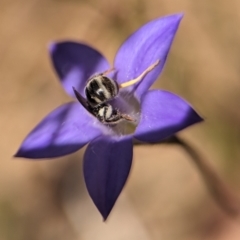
158	114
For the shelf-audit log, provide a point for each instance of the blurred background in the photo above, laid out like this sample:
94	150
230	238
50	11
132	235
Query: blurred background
165	196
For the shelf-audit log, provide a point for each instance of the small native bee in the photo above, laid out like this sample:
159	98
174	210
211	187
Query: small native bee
104	112
100	89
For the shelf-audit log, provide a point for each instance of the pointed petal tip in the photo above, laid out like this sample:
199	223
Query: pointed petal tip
179	15
105	213
18	154
21	154
52	46
104	218
200	119
196	118
176	18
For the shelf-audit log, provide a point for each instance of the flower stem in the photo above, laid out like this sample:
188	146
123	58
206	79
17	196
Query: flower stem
220	191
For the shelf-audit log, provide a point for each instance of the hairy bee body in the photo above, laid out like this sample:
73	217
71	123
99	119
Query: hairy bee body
106	114
100	89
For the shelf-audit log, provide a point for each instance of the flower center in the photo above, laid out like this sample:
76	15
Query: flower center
120	116
115	107
129	107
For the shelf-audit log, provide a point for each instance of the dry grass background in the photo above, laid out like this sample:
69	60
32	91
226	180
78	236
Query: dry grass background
165	197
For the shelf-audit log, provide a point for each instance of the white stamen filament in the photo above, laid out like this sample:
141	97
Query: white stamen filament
140	77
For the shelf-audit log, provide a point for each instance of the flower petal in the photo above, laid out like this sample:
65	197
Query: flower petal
75	63
107	163
143	48
164	114
63	131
